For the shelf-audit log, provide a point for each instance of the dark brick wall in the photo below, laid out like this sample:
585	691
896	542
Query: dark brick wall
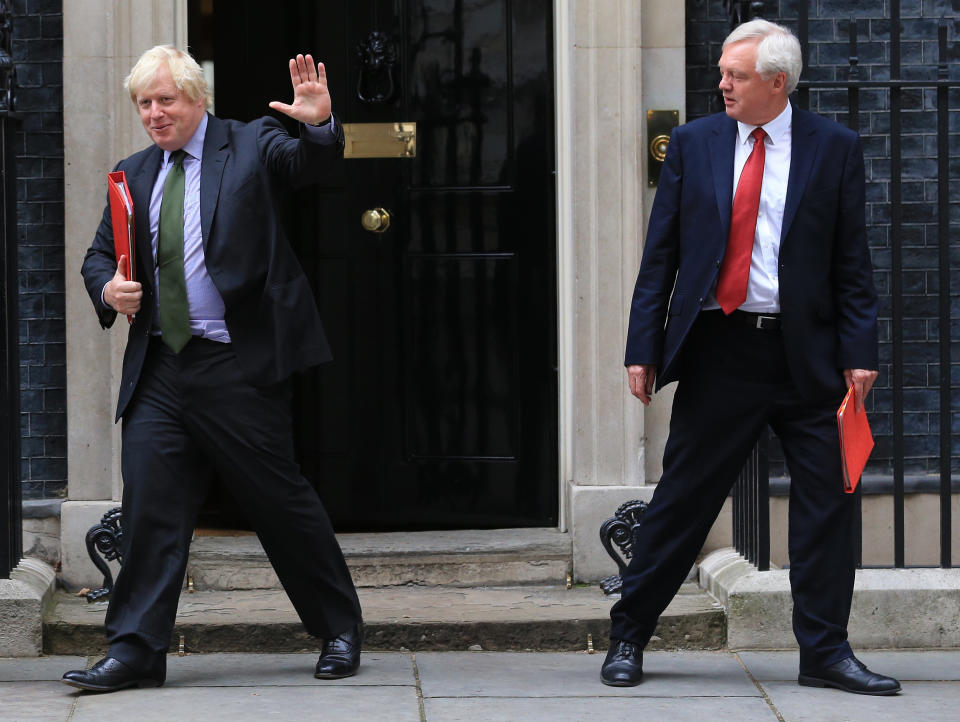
707	25
38	54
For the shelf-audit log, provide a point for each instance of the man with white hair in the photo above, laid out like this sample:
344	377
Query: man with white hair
755	293
222	316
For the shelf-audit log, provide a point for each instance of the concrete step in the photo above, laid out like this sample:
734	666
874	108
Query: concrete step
459	558
531	617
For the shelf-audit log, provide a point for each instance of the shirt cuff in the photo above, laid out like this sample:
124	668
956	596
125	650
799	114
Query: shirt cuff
322	134
103	300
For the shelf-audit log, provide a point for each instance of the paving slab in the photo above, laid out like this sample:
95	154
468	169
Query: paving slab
35	701
919	701
517	674
290	670
511	709
486	686
926	665
237	704
36	669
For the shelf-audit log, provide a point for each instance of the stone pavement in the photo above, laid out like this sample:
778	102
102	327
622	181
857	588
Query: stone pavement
488	686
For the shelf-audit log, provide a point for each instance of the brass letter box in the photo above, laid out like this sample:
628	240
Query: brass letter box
380	140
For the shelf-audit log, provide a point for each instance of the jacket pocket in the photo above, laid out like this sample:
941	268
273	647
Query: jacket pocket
822	194
676	304
289	293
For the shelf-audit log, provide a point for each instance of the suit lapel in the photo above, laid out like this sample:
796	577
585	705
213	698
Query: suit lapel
803	149
141	188
215	153
722	145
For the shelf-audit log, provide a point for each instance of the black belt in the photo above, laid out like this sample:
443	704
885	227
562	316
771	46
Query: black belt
760	321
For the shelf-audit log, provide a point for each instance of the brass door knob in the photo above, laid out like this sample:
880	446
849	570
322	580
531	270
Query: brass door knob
658	147
375	220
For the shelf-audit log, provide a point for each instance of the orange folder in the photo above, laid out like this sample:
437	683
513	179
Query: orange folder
856	441
121	214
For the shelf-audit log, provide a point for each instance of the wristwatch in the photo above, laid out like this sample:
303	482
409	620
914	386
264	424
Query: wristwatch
320	125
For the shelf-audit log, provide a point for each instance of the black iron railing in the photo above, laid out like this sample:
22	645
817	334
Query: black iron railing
10	512
751	507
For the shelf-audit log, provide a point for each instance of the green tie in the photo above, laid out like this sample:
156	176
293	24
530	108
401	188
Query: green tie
174	312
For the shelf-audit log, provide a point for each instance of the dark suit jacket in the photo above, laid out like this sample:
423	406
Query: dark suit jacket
827	298
270	313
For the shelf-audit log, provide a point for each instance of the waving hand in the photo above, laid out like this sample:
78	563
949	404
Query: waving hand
311	98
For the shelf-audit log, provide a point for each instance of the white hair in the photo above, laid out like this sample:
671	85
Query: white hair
778	50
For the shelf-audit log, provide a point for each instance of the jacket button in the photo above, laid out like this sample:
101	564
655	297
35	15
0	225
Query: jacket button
718	263
700	300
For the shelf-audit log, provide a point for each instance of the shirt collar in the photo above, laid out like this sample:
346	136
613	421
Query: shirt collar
774	129
194	146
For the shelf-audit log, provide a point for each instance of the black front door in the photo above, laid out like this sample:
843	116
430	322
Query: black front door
440	408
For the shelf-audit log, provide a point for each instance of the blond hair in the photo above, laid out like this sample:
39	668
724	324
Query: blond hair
185	71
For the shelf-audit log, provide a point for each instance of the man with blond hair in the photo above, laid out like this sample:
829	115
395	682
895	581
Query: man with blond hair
222	316
755	293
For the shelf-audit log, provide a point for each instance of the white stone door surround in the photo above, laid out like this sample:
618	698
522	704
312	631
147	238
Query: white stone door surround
101	41
615	61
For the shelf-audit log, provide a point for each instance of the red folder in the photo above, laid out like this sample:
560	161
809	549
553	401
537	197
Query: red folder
856	441
121	214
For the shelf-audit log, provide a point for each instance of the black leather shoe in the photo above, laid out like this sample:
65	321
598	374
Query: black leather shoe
109	675
850	675
623	666
340	656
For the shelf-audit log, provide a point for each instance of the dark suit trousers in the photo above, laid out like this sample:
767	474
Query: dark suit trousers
193	413
734	380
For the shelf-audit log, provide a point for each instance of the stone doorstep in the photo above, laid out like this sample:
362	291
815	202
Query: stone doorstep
541	618
892	608
468	558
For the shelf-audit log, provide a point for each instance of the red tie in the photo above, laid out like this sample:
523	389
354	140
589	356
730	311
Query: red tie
732	284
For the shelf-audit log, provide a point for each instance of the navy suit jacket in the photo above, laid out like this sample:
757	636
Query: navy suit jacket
271	314
827	298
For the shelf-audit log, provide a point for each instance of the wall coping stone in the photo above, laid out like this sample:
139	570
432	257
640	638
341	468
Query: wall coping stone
892	608
23	599
42	508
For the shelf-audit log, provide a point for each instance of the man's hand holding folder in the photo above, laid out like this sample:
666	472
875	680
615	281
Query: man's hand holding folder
122	293
856	440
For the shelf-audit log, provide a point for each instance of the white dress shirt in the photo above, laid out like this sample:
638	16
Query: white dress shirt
763	286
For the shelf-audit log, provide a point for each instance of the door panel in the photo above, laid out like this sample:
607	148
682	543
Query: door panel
459	92
439	409
461	349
